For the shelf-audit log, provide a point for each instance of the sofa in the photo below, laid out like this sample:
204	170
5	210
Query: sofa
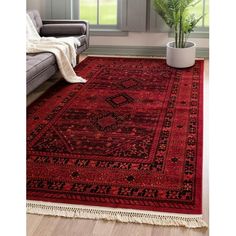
42	66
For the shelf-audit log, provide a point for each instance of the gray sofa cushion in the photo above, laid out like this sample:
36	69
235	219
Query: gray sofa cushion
62	29
36	18
37	63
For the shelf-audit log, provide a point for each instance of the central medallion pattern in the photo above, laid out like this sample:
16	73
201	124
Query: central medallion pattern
129	83
106	121
119	100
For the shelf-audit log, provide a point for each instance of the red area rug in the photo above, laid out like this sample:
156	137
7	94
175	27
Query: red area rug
130	138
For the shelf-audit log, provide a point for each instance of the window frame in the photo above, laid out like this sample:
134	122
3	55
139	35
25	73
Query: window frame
102	27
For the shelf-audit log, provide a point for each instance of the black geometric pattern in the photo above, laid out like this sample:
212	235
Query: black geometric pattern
119	100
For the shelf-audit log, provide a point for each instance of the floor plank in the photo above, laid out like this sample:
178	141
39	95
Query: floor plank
46	226
32	223
103	228
132	229
178	231
73	227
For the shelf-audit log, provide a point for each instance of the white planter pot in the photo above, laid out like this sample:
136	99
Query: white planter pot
180	57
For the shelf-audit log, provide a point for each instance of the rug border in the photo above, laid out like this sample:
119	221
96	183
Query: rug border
117	214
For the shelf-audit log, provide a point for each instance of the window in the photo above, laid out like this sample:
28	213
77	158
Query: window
99	13
202	8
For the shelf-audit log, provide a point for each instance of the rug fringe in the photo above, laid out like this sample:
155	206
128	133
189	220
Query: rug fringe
121	215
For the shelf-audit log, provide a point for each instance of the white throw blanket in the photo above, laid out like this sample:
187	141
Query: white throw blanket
63	49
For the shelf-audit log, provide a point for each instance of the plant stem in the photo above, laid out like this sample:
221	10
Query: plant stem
180	30
182	40
176	38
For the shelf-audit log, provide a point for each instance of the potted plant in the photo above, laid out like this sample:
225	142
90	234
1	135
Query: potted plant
180	53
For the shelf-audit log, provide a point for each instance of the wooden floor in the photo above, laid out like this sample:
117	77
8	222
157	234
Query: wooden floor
38	225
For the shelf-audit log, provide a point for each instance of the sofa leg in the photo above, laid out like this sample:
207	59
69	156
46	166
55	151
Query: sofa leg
77	59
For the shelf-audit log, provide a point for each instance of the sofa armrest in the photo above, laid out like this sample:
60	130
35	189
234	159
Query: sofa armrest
63	30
